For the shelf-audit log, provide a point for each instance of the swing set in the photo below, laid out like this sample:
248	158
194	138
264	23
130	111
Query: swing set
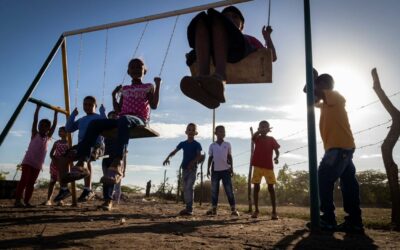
256	68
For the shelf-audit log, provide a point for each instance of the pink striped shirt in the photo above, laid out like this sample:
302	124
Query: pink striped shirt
36	152
135	100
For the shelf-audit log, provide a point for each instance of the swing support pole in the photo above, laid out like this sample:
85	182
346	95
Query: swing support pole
67	105
312	144
31	88
154	17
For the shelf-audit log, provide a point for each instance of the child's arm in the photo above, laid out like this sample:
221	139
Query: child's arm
35	121
116	104
210	159
155	96
276	159
255	136
52	151
194	162
230	162
54	125
166	161
266	31
71	124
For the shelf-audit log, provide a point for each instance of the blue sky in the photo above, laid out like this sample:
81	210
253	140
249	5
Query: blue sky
349	39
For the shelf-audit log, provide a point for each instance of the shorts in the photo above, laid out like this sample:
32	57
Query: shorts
53	172
268	174
238	47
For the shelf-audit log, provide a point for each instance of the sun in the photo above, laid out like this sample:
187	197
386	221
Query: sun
354	85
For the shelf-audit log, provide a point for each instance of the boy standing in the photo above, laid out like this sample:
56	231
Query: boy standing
337	161
263	166
191	156
220	157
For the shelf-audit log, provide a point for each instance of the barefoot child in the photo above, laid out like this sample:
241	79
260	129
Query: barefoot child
34	157
263	166
191	156
59	148
220	157
217	36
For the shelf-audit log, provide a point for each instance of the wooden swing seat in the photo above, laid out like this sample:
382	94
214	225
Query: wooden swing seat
134	133
255	68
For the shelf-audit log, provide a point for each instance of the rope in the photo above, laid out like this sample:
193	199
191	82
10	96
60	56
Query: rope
78	71
169	45
105	67
137	47
269	11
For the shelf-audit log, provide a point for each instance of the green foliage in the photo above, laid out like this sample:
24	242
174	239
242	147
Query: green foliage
3	175
165	190
42	183
131	189
292	187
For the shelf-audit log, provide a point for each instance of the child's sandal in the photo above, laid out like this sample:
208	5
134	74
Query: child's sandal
214	85
192	89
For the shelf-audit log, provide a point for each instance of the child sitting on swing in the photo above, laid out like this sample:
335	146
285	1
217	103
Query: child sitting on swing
218	35
133	108
34	157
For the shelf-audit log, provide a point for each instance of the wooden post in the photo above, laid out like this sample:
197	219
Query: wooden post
178	191
165	180
250	171
67	107
201	178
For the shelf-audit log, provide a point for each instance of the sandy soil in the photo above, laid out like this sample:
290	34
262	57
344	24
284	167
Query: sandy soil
143	224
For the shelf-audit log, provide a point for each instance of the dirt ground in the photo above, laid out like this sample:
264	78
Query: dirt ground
147	224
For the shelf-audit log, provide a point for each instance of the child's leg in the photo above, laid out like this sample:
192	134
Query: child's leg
202	46
271	191
215	179
227	182
351	193
255	195
93	131
25	176
189	177
124	123
34	173
50	191
88	179
220	46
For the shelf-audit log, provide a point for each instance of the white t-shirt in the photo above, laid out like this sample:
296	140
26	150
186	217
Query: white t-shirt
220	155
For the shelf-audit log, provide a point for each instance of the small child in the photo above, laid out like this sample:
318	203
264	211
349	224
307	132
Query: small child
218	36
263	165
133	110
191	156
220	157
337	161
109	188
82	124
34	157
59	148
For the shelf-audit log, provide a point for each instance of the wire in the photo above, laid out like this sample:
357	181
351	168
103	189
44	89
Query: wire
105	67
169	45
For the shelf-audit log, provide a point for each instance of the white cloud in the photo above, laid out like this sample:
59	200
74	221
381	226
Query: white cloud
293	156
145	168
18	133
366	156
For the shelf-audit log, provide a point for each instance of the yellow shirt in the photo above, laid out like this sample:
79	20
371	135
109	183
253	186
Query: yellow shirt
334	123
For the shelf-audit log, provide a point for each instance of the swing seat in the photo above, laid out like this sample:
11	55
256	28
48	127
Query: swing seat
7	189
255	68
134	133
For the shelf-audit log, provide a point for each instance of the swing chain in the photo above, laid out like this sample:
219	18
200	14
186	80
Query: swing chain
78	71
105	66
269	10
169	45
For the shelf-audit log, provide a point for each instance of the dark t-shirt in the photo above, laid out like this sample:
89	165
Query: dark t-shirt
190	150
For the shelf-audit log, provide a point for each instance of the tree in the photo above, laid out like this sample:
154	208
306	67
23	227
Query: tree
388	144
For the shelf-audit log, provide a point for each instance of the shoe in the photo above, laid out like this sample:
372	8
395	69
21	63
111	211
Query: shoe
214	85
192	89
78	171
63	194
349	227
86	195
324	225
212	211
19	204
185	212
29	205
107	205
274	216
234	212
255	215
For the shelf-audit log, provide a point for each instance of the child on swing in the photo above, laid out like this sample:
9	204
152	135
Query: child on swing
59	148
218	35
81	124
34	157
133	109
191	156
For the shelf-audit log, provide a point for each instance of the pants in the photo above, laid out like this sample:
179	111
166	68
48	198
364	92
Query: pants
28	179
338	163
225	176
107	188
123	124
189	177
